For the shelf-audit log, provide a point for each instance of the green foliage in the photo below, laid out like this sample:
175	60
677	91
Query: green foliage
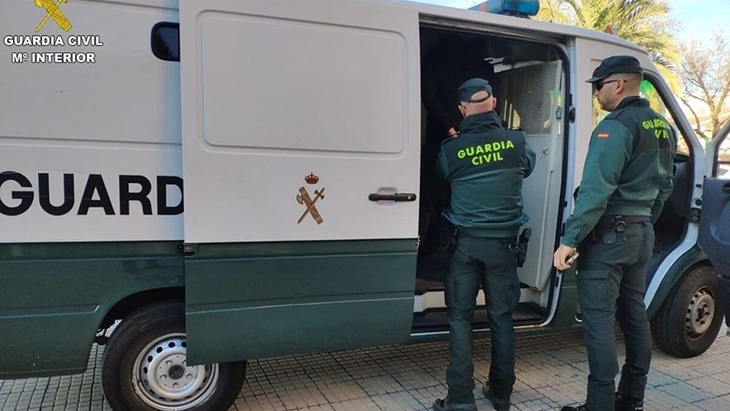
645	23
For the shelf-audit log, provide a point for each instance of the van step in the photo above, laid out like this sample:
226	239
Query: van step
425	285
437	319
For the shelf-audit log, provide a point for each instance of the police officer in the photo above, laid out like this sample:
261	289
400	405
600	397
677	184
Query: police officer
480	173
626	179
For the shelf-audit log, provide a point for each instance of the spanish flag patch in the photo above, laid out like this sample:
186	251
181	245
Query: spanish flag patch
602	135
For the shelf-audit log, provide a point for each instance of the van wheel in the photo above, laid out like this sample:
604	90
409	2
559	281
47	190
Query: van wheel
691	316
144	366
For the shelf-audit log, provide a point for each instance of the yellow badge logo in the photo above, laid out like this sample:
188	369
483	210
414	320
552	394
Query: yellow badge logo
53	12
602	135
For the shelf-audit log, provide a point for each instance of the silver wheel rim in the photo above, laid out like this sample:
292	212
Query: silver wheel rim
163	380
700	313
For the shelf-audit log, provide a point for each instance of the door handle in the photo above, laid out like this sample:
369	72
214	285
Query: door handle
726	188
392	197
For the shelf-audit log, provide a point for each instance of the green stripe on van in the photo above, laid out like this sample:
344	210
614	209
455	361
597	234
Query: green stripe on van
248	301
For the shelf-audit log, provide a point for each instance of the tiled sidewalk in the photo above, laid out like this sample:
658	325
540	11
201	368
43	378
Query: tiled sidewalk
551	371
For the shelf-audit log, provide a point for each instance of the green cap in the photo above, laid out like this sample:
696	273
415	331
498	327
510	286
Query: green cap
473	86
616	65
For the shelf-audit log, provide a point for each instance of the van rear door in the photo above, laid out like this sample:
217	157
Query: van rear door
301	154
714	237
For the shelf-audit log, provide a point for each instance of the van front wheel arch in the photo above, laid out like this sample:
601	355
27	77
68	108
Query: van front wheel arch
144	366
690	317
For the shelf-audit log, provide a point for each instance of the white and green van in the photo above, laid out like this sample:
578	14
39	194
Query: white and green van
295	128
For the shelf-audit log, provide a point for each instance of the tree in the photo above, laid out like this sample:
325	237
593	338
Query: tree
645	23
705	74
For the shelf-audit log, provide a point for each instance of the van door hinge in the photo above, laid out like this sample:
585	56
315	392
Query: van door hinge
571	114
695	214
186	249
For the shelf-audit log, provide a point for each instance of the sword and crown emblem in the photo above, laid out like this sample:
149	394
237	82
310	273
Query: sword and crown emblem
311	205
53	11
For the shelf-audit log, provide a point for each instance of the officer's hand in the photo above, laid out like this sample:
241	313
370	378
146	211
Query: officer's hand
560	258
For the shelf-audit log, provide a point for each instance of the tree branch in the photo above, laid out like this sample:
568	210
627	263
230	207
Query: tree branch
698	129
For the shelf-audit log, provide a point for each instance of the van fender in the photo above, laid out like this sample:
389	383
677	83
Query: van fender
690	258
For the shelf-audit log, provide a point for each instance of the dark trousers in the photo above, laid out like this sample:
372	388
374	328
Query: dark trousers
611	286
489	263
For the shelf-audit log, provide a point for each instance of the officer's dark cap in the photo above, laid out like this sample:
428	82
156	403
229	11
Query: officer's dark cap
616	65
473	86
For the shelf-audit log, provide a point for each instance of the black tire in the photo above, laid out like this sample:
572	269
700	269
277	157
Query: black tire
673	328
211	388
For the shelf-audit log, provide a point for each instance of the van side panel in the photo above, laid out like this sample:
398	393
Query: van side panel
92	151
260	300
90	178
281	100
317	99
54	297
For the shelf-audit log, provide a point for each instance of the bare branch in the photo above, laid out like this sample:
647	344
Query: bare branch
698	129
705	74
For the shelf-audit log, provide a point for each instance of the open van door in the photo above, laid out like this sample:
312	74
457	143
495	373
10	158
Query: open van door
301	147
714	237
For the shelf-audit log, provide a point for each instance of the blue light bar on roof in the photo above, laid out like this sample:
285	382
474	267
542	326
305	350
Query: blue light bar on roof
514	7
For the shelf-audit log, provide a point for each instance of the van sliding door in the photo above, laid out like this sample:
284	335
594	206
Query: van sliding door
532	99
300	125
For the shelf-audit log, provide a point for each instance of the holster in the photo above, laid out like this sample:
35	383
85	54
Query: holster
608	229
447	234
521	246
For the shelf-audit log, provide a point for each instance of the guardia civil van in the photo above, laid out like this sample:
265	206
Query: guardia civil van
297	131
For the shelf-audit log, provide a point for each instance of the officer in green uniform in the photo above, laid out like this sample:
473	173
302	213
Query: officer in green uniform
480	173
626	179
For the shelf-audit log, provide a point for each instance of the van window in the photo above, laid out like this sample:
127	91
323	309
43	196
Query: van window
649	92
723	160
165	41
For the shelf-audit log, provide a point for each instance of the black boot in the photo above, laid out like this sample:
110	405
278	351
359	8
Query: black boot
499	404
446	405
626	403
581	407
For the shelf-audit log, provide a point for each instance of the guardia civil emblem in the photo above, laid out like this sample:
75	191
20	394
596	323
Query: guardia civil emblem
53	12
311	205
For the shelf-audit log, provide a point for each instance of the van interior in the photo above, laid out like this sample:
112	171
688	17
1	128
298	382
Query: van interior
529	81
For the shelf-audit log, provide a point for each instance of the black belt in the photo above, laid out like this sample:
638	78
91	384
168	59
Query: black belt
620	222
507	240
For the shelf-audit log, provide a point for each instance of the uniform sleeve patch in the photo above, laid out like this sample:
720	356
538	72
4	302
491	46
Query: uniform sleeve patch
602	135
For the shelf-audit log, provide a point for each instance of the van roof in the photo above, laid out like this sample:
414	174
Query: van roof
553	29
541	27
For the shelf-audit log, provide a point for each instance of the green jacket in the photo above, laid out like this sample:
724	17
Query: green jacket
628	170
480	175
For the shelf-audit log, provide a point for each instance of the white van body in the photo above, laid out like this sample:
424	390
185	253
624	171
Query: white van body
293	126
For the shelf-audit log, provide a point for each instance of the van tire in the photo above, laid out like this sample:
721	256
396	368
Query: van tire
672	327
160	328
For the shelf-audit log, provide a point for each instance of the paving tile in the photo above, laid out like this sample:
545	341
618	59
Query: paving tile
365	404
711	385
714	404
397	401
551	372
685	392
